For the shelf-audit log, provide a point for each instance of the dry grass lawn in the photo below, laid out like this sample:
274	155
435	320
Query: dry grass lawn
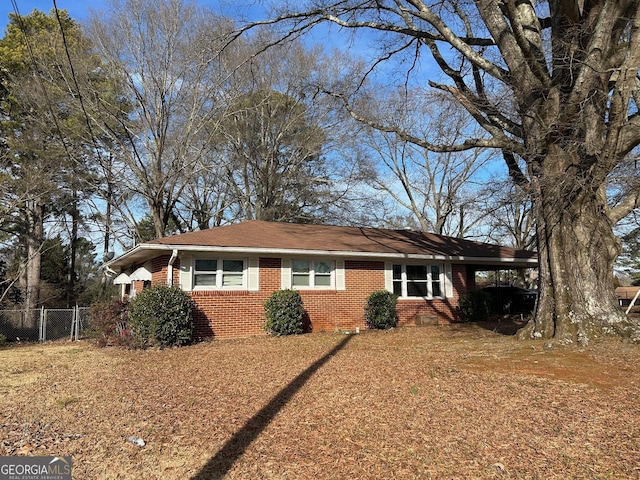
456	402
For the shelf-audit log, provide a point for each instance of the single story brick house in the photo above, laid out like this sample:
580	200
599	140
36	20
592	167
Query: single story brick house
230	271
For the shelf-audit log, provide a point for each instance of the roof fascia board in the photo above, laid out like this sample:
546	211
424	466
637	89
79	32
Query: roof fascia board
127	254
341	253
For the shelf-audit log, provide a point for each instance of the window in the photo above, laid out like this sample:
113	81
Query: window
311	274
219	273
205	273
300	273
232	273
436	281
417	281
322	274
423	281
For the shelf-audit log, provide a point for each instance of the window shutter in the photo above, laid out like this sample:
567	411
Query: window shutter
285	272
388	276
254	274
340	275
448	281
185	273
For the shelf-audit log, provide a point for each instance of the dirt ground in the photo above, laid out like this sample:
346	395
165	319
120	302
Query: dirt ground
448	402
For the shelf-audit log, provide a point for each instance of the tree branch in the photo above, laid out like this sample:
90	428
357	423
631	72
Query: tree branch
494	127
515	172
468	144
462	45
629	135
625	207
626	85
519	69
527	34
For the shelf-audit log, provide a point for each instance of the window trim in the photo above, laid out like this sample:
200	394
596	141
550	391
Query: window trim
441	281
312	274
219	274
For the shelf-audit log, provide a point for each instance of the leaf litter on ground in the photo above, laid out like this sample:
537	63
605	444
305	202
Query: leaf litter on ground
458	401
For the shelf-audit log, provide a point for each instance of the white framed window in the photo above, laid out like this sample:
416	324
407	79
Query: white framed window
212	273
418	280
205	272
312	274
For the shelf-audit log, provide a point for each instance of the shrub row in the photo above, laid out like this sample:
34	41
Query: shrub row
158	316
162	316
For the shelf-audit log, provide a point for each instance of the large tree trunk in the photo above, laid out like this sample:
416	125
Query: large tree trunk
576	250
71	280
33	262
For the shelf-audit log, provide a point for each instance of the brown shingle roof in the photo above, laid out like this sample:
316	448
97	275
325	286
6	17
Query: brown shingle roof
292	236
626	292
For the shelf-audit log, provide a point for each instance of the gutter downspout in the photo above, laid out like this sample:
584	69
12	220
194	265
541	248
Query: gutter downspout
174	255
109	271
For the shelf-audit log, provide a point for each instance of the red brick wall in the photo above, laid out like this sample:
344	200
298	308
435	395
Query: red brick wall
445	310
159	270
229	314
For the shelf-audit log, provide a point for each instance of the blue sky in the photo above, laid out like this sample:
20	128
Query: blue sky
78	9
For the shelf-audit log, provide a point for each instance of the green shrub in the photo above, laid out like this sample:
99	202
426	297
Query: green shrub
161	316
3	340
108	323
475	306
380	311
284	312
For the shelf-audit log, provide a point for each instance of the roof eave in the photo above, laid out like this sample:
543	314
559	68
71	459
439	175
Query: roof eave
130	256
144	251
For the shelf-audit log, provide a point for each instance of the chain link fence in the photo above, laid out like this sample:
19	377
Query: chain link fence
43	324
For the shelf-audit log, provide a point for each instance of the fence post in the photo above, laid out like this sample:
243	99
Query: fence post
43	325
76	324
73	324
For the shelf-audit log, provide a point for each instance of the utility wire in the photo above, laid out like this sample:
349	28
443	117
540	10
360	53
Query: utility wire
75	81
49	105
34	65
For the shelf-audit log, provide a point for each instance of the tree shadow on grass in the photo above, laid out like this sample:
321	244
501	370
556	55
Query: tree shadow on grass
507	325
222	461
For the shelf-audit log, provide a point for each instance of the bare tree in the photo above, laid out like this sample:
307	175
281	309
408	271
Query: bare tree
510	215
206	198
275	164
570	69
281	141
440	190
167	53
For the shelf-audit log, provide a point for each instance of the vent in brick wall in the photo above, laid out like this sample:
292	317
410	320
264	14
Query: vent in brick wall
424	319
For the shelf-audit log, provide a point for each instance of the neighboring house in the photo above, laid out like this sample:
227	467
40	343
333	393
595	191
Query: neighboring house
230	272
626	295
